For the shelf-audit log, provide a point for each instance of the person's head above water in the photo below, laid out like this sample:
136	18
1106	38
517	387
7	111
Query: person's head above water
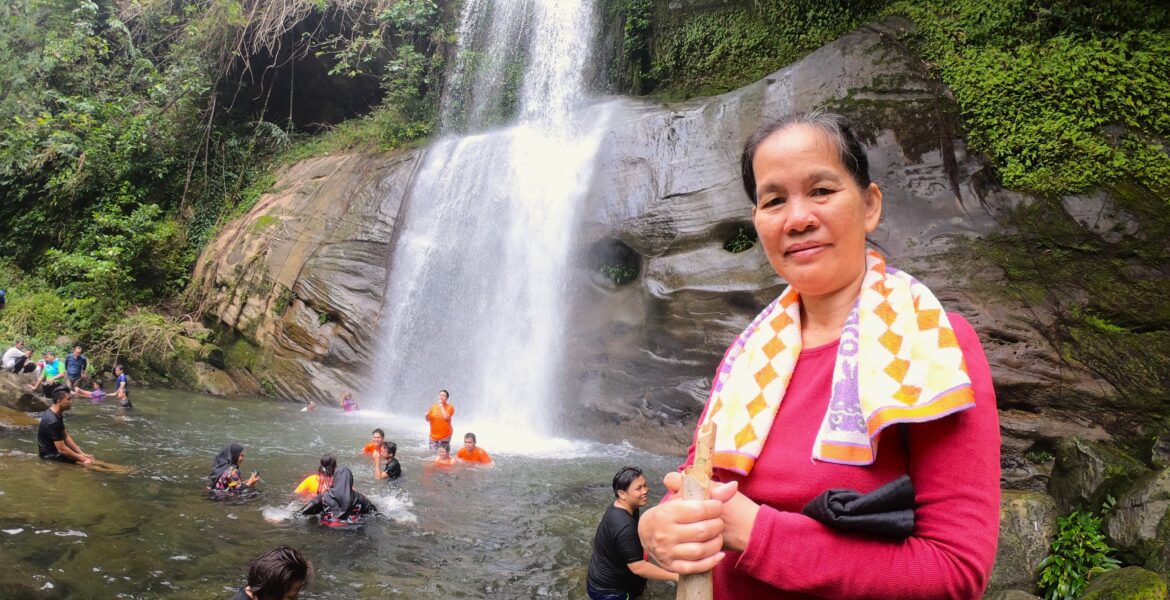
378	436
278	574
813	202
63	399
630	489
389	449
328	466
469	441
444	450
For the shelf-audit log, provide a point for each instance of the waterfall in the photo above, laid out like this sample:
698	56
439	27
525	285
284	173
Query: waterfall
476	299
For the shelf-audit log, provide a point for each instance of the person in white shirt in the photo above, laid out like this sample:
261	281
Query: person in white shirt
17	359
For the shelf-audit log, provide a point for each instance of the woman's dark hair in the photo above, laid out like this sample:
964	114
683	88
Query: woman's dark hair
271	574
838	128
445	393
624	479
445	445
328	465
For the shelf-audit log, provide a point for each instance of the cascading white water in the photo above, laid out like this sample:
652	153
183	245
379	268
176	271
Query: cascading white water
476	296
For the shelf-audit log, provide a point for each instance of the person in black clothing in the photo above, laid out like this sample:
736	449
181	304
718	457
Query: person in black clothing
278	574
386	466
53	442
340	504
617	570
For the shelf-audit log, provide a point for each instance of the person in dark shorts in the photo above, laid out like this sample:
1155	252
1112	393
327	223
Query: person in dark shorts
75	366
278	574
617	569
53	442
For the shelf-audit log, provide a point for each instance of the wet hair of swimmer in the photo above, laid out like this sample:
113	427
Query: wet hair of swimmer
837	127
470	435
446	446
624	479
272	574
328	465
391	448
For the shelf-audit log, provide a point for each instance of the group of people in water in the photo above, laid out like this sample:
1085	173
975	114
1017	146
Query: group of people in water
73	373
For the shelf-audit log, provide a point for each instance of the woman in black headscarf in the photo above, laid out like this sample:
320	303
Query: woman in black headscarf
341	503
225	472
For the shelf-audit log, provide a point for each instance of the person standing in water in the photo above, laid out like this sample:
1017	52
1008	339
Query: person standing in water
122	387
53	442
618	569
439	416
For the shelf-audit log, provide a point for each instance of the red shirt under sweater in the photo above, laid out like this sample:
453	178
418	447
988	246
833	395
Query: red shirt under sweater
953	463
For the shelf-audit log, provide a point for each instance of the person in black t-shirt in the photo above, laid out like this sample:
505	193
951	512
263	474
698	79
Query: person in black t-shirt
278	574
617	569
385	462
53	442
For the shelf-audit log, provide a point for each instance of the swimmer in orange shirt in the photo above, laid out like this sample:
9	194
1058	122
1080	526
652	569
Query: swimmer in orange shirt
319	482
375	445
471	453
444	458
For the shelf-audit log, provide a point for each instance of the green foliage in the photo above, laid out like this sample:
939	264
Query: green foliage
743	240
1062	97
619	274
1038	457
711	51
268	387
1078	553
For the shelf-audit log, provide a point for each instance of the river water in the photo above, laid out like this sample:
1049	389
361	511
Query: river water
522	529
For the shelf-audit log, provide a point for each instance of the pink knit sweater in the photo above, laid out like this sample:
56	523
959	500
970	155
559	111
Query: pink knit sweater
953	463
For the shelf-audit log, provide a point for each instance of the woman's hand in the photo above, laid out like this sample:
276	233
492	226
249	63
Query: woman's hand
252	480
738	516
686	536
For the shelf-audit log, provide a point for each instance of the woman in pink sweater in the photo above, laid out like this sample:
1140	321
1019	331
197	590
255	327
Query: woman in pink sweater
852	355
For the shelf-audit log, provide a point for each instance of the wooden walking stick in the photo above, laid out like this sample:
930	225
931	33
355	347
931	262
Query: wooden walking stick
697	486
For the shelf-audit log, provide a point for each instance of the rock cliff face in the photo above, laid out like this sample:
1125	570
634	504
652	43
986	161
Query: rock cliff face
298	282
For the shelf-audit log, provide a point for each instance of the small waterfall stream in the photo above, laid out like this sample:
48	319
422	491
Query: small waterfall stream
476	296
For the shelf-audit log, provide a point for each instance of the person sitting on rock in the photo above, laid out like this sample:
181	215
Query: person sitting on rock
17	359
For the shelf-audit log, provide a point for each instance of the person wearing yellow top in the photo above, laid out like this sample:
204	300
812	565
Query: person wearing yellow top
472	453
320	481
439	416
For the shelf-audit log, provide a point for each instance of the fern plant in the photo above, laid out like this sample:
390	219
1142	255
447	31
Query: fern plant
1078	553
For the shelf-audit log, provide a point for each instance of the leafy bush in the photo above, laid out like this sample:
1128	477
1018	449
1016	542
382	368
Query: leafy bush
620	274
743	240
1078	553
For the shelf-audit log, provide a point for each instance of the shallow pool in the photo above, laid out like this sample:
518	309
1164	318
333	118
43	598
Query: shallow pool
522	529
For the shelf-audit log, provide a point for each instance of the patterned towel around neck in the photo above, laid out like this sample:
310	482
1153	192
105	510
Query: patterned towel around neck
898	361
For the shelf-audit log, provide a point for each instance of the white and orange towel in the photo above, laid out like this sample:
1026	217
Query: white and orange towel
898	361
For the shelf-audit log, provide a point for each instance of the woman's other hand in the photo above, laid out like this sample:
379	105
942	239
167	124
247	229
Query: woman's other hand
252	480
686	536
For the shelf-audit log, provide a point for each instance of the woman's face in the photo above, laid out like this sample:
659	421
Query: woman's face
811	215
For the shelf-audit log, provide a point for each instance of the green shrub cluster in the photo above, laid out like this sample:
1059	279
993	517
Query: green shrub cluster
1078	553
1063	97
715	50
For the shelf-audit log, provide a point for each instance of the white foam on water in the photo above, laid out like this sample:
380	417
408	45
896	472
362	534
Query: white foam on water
395	505
70	533
13	531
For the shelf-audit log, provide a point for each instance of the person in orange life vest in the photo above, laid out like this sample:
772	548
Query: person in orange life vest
372	448
320	481
439	416
472	453
444	458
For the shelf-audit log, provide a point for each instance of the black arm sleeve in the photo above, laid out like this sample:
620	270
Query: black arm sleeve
627	544
314	507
